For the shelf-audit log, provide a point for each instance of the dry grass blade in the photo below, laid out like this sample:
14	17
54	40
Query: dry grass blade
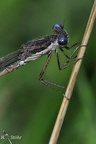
68	93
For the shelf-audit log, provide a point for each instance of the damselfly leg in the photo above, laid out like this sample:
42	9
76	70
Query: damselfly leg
42	78
71	60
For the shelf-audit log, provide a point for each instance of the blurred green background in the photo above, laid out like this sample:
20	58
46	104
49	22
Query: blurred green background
28	108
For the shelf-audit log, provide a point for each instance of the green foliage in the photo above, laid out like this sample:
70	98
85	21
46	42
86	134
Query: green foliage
28	108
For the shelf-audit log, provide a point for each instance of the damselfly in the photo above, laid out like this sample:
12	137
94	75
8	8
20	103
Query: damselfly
37	48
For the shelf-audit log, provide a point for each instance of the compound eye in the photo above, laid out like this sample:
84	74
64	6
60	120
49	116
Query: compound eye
63	41
57	28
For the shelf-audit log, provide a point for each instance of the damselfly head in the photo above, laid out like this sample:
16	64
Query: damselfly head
57	28
62	35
